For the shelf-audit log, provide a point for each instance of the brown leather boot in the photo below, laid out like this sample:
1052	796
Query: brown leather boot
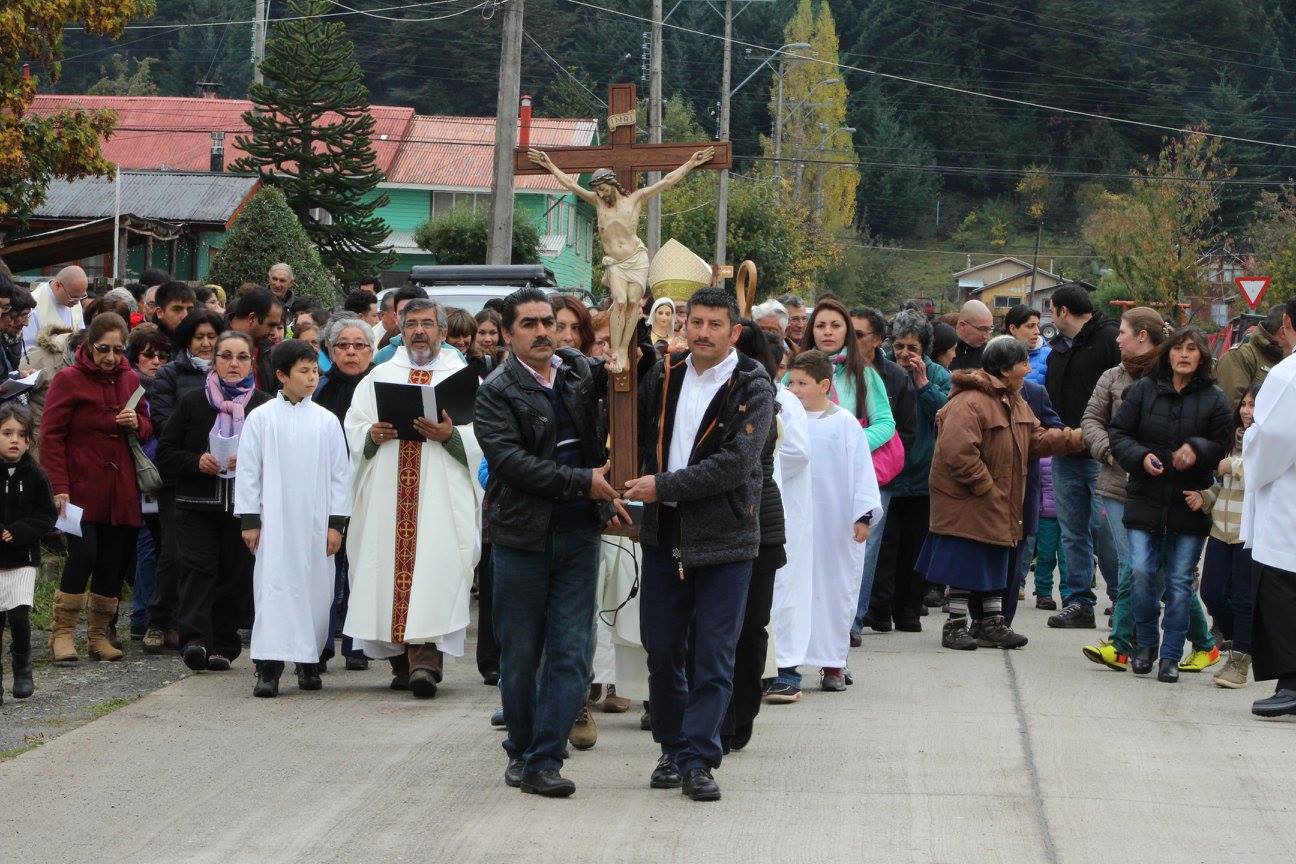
426	664
67	614
98	615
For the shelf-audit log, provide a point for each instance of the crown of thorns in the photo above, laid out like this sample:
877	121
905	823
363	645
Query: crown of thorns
607	177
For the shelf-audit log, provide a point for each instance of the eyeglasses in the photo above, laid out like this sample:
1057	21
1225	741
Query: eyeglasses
228	356
863	334
119	350
155	355
352	346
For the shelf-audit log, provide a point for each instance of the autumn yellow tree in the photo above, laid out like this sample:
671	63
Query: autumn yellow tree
1152	236
33	149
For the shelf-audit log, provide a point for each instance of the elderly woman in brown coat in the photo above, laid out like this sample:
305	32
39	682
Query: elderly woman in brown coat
985	435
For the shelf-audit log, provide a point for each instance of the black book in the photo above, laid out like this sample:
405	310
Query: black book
401	404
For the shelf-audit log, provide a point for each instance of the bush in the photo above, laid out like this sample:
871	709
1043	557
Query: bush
459	237
265	233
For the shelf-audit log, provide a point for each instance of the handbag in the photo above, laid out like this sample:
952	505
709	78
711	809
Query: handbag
888	460
147	476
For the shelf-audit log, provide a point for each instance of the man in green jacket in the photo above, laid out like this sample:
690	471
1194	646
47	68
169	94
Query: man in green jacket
1246	365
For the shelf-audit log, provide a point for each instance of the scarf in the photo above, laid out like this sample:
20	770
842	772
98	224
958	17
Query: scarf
230	402
199	363
1137	367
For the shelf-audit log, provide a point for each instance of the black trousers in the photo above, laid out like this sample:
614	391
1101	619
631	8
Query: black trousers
162	602
753	645
19	619
1273	637
100	558
897	587
215	580
488	649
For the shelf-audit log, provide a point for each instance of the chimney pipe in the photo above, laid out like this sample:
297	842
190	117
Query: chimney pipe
209	89
26	71
524	122
217	152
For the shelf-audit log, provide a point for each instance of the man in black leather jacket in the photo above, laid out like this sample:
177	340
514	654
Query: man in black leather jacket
538	421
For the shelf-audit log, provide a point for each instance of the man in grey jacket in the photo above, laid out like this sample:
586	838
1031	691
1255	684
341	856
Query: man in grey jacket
704	415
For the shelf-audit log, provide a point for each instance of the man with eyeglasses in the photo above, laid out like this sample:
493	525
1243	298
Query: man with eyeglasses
975	327
415	537
58	301
17	304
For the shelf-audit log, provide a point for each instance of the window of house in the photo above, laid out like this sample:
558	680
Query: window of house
1005	301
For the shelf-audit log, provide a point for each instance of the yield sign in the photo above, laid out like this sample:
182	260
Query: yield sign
1252	288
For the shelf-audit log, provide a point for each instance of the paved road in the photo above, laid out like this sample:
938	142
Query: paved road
1026	756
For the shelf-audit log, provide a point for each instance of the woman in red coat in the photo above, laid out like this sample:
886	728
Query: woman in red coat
84	450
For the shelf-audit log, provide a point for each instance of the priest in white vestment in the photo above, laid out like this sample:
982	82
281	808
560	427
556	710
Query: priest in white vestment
417	533
794	582
291	492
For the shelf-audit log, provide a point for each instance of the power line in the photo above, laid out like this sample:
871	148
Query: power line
370	13
950	88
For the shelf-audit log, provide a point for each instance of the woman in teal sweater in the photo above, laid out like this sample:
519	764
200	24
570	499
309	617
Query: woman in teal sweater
829	330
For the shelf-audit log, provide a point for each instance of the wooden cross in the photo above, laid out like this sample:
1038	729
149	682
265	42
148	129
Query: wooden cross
627	159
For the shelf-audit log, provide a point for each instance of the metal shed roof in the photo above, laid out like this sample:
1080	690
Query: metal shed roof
170	196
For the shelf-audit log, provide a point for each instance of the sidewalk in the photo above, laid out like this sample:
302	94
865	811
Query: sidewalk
933	756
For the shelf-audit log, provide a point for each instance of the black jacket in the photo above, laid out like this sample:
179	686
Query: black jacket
1154	418
966	357
903	396
27	512
336	390
515	425
172	382
773	527
719	493
184	441
1074	370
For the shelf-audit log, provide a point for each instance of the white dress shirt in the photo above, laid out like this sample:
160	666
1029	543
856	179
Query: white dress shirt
695	395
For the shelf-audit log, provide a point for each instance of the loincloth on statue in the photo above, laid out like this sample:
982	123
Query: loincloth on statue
632	270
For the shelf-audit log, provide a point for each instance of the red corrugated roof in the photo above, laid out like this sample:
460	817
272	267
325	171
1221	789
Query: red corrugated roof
155	132
458	152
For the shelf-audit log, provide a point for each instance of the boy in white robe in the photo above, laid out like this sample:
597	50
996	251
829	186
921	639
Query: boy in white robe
846	500
292	492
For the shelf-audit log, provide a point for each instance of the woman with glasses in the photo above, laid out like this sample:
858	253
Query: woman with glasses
215	566
195	341
147	350
349	342
85	451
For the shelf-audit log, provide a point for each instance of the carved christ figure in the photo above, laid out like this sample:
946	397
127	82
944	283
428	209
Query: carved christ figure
625	256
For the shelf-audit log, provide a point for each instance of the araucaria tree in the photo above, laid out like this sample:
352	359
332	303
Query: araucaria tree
311	136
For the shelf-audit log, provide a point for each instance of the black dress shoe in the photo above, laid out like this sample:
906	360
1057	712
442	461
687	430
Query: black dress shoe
667	774
548	783
195	657
877	624
1168	671
914	626
1281	703
357	664
268	672
308	677
513	773
490	679
422	684
699	785
1143	660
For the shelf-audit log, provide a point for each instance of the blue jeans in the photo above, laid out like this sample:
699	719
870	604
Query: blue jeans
1079	513
872	548
145	579
1163	566
544	602
337	614
686	719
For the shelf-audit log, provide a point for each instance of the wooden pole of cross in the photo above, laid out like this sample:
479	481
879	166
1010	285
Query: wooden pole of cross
627	158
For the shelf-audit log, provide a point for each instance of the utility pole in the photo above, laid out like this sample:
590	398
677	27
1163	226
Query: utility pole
722	199
1030	295
258	41
655	125
499	245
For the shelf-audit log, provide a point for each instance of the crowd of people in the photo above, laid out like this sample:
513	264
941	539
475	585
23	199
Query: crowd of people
804	474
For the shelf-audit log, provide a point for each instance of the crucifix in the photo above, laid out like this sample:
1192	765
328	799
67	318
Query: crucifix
615	168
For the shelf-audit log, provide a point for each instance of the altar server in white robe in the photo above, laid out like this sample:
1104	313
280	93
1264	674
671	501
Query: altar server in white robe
292	494
846	501
417	533
794	582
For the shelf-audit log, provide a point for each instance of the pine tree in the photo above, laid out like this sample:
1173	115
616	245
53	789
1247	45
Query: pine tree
311	138
266	233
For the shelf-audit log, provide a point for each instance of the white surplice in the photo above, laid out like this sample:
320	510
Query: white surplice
794	582
845	488
441	509
294	471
